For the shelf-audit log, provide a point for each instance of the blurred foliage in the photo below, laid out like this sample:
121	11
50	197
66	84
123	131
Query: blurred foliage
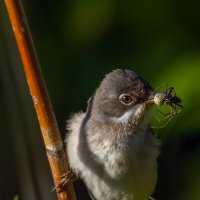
16	197
79	41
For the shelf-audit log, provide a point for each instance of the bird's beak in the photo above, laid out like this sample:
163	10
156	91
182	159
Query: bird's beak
149	102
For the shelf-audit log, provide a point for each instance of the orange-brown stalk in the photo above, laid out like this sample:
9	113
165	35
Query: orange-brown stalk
54	146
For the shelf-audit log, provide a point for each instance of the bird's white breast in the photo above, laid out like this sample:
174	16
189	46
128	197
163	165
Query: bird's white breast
120	168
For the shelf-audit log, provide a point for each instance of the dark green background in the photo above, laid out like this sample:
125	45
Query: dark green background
77	43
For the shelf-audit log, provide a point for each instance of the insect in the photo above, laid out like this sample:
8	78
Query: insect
166	97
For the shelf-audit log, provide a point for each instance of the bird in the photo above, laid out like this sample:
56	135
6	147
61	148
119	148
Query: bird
111	146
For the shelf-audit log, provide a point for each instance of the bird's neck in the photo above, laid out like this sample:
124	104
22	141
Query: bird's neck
129	122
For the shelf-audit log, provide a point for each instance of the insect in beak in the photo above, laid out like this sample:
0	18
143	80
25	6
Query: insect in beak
166	97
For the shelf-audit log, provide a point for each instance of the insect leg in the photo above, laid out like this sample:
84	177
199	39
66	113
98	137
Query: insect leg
156	90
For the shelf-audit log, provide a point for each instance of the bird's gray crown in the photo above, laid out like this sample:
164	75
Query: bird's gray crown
124	81
106	99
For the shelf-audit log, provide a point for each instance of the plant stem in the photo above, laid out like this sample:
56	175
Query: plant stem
53	143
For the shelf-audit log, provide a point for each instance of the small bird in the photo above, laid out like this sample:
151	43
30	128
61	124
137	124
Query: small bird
111	146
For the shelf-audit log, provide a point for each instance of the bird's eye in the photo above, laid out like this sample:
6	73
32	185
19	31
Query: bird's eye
126	99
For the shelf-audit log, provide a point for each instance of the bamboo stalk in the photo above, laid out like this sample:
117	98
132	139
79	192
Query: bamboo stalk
54	146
